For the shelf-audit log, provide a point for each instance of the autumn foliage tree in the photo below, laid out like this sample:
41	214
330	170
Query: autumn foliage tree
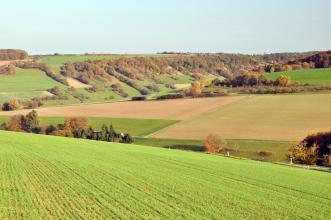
72	126
16	123
283	81
315	149
27	123
195	89
214	143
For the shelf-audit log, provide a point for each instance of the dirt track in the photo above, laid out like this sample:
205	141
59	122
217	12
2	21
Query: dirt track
179	109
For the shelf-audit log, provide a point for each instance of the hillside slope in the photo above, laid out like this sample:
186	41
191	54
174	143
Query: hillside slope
311	76
50	177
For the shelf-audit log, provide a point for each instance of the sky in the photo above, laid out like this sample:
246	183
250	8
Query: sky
150	26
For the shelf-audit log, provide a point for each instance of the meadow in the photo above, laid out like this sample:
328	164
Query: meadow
26	80
259	117
46	177
25	84
311	76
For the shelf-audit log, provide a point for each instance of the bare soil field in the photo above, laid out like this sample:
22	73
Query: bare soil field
260	117
76	84
181	109
182	85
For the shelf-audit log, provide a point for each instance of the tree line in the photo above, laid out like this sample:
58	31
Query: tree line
77	127
253	79
11	54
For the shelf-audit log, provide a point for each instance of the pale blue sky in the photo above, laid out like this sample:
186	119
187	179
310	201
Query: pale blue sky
149	26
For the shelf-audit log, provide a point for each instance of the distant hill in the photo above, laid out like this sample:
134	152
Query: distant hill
310	61
319	60
12	54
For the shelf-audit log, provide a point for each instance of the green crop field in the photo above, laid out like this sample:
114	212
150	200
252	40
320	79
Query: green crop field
45	177
259	117
136	127
311	76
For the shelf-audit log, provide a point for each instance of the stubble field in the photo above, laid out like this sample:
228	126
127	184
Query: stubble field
261	117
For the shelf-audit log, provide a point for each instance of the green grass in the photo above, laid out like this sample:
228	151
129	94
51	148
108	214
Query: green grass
5	96
311	76
259	117
45	177
251	149
62	59
26	80
179	79
25	84
136	127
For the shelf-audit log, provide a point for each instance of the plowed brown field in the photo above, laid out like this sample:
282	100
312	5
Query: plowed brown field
180	109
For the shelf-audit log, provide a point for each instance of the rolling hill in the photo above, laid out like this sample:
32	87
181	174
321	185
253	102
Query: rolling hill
51	177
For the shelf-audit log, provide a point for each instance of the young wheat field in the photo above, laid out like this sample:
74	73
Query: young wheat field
46	177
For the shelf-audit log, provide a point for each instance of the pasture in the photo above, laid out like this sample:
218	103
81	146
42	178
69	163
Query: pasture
311	76
259	117
25	84
46	177
26	80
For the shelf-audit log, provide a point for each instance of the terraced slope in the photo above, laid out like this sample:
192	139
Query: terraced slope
44	177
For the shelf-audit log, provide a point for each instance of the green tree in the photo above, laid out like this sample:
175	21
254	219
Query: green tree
31	121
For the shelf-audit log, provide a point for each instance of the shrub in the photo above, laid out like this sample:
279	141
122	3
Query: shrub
119	90
55	91
138	98
11	105
171	96
16	123
283	81
34	103
153	87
